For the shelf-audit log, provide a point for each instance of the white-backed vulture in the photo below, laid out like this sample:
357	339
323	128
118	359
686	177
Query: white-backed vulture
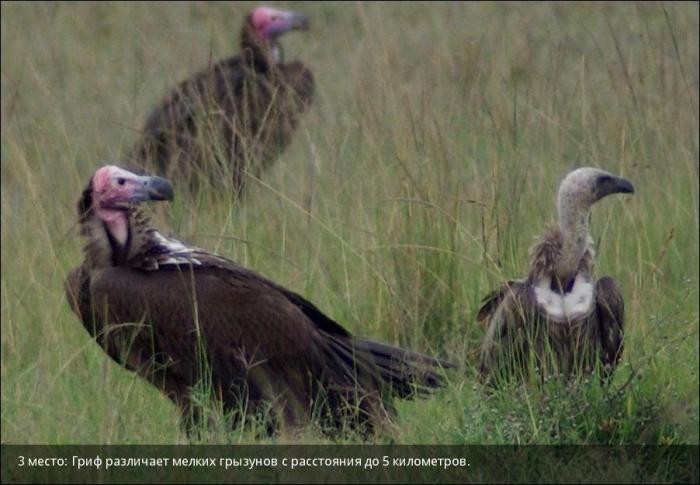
559	315
177	314
238	113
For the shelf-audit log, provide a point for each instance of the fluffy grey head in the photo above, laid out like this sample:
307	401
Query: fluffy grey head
585	186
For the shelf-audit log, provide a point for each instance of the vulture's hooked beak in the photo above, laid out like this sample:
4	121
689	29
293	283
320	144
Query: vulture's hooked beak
609	184
151	187
298	21
624	186
286	21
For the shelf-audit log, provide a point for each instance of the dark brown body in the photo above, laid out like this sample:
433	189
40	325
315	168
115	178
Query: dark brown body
232	118
188	321
260	345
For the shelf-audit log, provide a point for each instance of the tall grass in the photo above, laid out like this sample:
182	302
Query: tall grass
416	183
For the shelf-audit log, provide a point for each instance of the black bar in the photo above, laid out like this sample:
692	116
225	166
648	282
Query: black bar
348	464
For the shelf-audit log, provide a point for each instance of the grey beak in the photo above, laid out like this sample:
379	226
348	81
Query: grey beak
298	21
154	188
624	186
609	184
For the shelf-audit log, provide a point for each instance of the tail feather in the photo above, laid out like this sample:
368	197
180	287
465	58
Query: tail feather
407	373
378	348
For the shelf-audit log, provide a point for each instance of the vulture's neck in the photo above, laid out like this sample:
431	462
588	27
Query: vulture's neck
576	240
259	53
143	247
115	241
561	268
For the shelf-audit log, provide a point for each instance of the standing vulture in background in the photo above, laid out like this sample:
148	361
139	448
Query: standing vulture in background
560	315
233	117
178	316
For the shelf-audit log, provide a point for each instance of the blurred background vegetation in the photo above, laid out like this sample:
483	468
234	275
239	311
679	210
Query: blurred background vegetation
427	164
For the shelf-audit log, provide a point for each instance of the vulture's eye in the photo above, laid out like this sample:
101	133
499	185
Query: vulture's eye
121	181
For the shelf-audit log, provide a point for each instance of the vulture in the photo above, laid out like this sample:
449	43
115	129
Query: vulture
178	316
235	116
559	319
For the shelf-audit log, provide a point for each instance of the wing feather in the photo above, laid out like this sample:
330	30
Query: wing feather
610	309
508	311
254	332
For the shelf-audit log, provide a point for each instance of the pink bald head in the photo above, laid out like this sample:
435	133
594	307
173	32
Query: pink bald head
113	188
109	186
270	23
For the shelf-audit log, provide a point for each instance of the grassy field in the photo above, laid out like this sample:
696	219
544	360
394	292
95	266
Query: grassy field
416	183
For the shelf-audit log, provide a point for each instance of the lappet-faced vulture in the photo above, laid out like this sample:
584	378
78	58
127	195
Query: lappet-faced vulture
560	315
235	116
176	314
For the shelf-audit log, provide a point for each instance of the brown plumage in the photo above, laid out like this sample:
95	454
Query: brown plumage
559	318
235	116
176	314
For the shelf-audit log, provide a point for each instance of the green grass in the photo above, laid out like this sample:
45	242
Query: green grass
416	183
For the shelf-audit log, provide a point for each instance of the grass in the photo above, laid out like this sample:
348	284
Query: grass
416	183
